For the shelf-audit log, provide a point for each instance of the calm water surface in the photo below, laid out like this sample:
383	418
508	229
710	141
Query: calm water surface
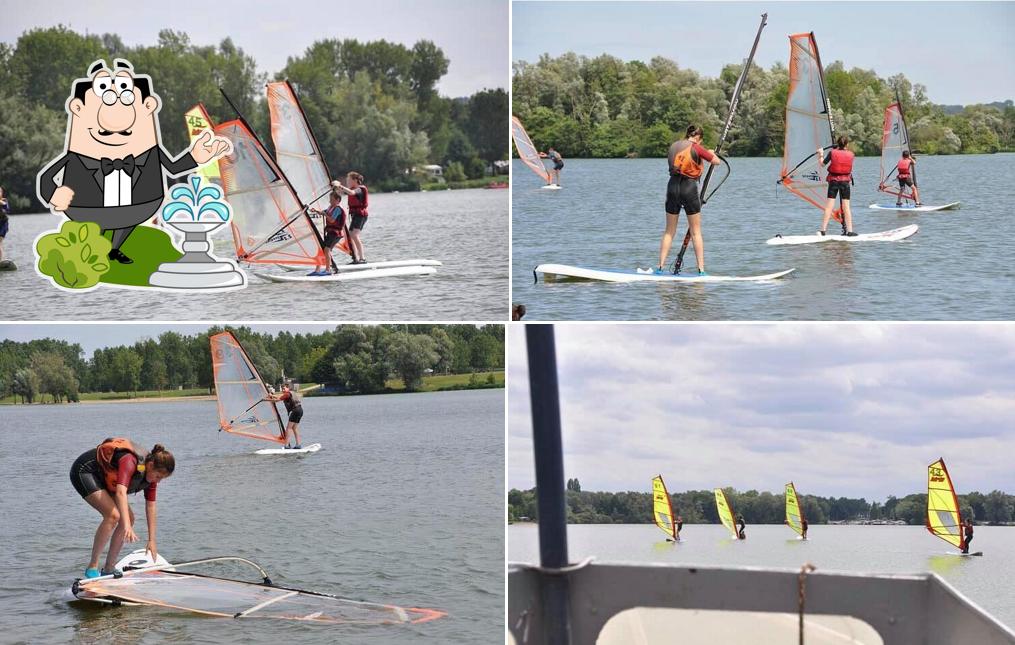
402	505
857	549
467	230
959	266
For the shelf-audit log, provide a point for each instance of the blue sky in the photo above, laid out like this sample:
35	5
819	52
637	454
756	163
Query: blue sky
473	34
962	51
840	409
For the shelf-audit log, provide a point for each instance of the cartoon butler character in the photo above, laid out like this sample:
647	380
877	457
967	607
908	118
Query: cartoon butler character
113	166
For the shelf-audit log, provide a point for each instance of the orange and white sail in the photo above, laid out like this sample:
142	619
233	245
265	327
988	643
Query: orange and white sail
808	124
270	224
894	141
527	151
241	394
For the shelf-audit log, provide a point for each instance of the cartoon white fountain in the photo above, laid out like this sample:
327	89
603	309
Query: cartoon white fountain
198	268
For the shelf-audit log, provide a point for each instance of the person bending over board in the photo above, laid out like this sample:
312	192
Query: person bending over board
358	198
558	163
104	476
967	529
741	530
840	175
907	177
685	164
334	228
294	406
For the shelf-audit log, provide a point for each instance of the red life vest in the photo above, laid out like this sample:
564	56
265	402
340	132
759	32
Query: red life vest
108	454
358	206
684	163
334	225
903	166
840	168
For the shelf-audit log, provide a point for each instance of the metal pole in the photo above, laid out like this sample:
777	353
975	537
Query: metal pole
550	496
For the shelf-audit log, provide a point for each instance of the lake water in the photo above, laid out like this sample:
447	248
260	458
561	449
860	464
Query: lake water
857	549
467	230
959	266
403	505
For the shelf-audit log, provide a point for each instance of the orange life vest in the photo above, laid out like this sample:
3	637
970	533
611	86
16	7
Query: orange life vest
903	167
108	454
685	164
840	166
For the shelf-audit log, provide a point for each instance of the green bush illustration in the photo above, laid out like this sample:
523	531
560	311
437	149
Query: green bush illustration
76	257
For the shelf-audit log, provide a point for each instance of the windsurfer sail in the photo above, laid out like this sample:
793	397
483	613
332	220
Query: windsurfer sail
198	121
240	393
808	124
725	510
794	514
943	517
270	224
662	508
894	141
227	598
527	151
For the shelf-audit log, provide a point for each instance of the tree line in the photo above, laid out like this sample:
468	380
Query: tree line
374	106
698	507
359	359
607	108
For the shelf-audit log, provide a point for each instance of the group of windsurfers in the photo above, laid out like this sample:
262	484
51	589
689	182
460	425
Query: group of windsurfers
103	476
335	221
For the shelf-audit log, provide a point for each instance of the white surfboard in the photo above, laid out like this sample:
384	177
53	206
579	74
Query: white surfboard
963	555
314	447
893	235
552	187
563	272
348	276
385	264
910	208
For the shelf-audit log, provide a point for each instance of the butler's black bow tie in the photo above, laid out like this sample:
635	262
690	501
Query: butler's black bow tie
110	165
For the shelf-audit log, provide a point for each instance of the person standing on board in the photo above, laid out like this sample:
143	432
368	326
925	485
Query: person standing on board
685	164
967	529
358	198
840	174
104	476
680	525
334	228
558	163
803	528
294	406
741	530
907	177
5	210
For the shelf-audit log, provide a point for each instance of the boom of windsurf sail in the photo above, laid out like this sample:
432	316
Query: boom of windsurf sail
227	598
725	510
943	518
270	224
734	101
240	393
808	124
662	508
794	514
527	151
198	121
894	141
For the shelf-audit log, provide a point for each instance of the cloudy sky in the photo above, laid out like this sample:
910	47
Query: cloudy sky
473	34
962	51
843	410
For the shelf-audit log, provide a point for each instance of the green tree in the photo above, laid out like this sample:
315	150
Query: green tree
410	355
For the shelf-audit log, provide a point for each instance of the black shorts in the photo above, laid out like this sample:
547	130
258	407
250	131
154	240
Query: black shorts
358	222
296	414
908	181
558	165
838	188
331	238
682	191
86	474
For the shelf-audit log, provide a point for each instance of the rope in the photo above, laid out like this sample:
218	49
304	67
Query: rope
801	587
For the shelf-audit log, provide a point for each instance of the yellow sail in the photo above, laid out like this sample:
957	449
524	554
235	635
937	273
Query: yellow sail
794	515
725	510
662	509
943	519
197	122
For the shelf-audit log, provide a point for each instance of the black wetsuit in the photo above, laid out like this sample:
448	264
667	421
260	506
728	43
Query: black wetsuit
969	537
